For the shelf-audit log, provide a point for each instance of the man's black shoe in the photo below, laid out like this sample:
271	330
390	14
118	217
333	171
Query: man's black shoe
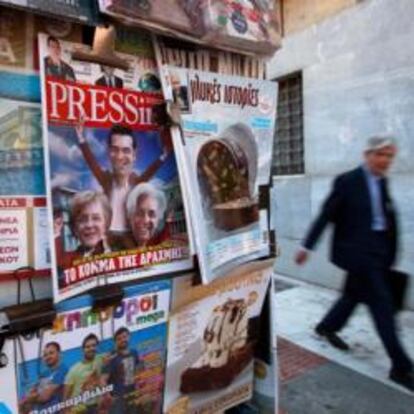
405	379
332	338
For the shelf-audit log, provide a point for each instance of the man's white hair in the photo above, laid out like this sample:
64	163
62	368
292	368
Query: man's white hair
148	190
377	142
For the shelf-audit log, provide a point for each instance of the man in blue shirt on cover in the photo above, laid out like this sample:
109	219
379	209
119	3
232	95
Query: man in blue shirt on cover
121	371
48	391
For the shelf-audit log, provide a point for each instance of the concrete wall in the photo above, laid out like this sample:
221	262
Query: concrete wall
358	80
298	14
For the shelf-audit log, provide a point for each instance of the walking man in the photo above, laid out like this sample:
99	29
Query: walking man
364	245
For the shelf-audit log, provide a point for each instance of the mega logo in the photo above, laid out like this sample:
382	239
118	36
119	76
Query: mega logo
134	311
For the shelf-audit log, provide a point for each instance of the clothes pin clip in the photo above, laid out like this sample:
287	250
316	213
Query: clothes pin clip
106	296
27	317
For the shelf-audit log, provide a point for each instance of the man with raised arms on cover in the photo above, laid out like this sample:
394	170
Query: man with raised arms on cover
122	372
118	182
85	376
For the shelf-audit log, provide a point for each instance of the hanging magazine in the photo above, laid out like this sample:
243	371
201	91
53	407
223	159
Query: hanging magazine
211	336
111	361
111	175
225	153
243	26
24	239
83	11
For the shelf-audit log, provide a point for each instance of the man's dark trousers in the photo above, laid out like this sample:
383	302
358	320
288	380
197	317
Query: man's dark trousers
366	283
366	255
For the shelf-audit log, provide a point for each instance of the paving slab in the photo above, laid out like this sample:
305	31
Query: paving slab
298	309
314	377
335	389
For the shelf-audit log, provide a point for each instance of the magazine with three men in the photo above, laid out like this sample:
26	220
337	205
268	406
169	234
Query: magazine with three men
106	361
112	180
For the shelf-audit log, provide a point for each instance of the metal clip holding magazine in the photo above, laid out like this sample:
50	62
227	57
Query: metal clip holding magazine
167	114
25	317
106	295
264	203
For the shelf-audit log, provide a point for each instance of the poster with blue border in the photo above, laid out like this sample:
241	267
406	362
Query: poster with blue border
107	361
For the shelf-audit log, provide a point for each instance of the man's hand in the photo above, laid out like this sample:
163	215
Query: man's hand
105	403
301	257
33	395
79	128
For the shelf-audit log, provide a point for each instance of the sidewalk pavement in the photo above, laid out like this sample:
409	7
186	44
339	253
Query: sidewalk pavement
316	378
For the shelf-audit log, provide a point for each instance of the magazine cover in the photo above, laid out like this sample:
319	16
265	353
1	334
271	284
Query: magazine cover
8	395
23	216
243	26
22	192
148	13
179	53
112	361
84	11
266	392
225	154
210	342
112	179
266	386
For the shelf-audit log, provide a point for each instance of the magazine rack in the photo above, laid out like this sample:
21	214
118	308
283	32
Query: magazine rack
34	315
25	317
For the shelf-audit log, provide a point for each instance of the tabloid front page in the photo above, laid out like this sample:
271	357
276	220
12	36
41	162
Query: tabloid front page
112	181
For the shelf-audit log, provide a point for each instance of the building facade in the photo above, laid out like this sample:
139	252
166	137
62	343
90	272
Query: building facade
355	65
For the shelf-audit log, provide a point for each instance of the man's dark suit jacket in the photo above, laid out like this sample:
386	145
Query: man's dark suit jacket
348	208
119	83
63	71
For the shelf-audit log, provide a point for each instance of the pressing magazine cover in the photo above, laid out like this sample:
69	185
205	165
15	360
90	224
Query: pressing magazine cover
111	361
225	151
112	179
212	333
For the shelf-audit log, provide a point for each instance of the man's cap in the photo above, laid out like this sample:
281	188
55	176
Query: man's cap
377	142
